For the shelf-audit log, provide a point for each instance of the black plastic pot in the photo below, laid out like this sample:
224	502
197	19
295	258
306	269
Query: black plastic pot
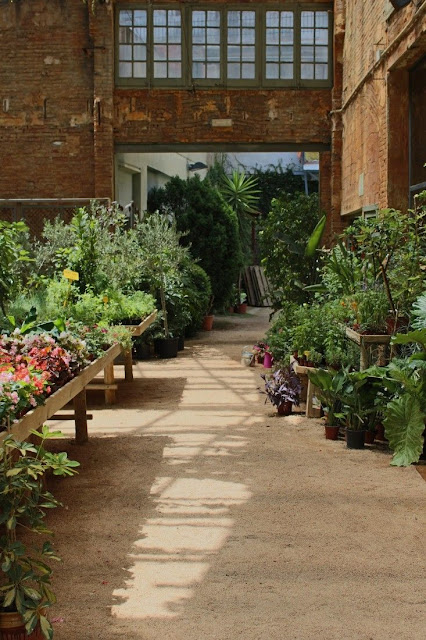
181	343
355	439
167	347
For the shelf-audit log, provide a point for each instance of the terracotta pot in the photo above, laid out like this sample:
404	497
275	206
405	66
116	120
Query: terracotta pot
13	628
380	432
369	437
331	432
208	323
242	308
284	409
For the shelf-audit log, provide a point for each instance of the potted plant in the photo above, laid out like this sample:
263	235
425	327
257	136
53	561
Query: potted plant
25	578
241	306
208	317
329	386
358	398
282	389
261	348
161	258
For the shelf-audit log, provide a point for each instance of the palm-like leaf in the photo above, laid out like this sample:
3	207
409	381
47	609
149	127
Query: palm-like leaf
419	311
241	193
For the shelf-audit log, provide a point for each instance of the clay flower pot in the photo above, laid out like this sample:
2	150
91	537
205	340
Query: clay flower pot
331	432
208	323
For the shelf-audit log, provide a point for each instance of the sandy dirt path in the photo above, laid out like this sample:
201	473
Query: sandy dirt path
198	514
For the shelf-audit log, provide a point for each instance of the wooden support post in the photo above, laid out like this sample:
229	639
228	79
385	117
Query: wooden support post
128	365
80	411
109	380
364	358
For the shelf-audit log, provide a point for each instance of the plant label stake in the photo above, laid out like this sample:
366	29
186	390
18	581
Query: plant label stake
71	276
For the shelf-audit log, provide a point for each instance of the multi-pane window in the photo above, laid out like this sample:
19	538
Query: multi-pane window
188	45
241	45
167	43
132	47
314	50
206	45
279	50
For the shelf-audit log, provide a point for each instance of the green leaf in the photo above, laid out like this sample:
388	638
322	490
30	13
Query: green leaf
46	628
14	471
31	593
404	426
315	238
9	597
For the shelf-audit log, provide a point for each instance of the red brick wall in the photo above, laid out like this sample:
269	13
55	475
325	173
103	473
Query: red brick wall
46	85
374	109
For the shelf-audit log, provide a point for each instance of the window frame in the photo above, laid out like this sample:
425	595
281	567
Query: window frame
187	81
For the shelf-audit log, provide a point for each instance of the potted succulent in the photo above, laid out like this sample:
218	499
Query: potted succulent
25	577
282	388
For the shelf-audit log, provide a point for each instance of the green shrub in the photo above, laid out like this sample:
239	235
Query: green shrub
212	230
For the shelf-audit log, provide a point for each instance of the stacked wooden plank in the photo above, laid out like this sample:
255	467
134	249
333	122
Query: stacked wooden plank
257	287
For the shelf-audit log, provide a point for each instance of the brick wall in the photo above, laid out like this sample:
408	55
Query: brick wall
380	47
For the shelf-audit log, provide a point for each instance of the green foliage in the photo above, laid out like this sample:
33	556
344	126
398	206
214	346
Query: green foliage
404	427
283	238
419	312
370	310
25	579
274	182
212	230
329	385
241	193
12	252
197	291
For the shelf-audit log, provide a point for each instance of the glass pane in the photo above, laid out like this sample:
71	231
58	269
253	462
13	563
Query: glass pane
213	18
198	18
272	18
248	18
321	54
272	36
234	53
160	69
213	36
321	19
198	70
160	52
248	36
248	54
125	52
307	36
308	19
139	18
139	70
125	69
234	36
175	70
198	36
307	72
287	54
233	71
321	72
175	52
272	71
272	54
175	34
160	17
286	71
125	18
160	34
307	54
287	19
213	54
248	70
174	18
287	36
139	52
321	36
213	70
125	35
139	35
233	18
198	53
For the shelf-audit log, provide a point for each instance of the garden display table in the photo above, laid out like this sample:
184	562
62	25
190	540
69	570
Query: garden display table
74	390
366	344
311	411
136	330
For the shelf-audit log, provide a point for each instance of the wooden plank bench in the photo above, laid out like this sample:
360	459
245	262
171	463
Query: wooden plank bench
136	330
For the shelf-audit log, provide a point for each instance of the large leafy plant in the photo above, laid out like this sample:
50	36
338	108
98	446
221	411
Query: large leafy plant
12	252
25	577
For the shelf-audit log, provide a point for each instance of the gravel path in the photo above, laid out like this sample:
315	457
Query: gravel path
198	514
